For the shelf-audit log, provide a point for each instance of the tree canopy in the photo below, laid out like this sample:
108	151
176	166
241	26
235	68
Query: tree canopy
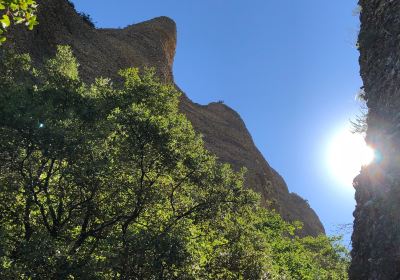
110	181
16	12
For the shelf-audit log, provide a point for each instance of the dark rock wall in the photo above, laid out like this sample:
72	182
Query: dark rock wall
376	236
102	52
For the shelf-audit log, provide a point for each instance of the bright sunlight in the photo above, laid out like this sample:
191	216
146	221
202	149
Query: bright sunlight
346	154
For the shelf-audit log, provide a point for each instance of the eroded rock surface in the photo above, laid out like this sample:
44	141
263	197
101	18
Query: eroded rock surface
102	52
376	236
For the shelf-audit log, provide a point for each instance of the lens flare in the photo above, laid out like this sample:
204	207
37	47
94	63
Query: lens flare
346	154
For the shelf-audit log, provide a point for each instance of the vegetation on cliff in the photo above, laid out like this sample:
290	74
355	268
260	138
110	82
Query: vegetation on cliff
110	181
16	12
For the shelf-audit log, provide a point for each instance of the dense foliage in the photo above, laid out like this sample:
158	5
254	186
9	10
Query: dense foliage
16	12
108	181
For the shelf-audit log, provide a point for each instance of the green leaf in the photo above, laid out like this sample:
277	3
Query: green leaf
31	25
5	21
23	6
14	7
2	7
19	20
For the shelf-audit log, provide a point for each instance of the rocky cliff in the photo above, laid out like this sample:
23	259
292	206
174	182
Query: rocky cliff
102	52
376	237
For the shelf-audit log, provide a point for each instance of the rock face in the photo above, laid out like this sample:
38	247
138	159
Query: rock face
102	52
376	236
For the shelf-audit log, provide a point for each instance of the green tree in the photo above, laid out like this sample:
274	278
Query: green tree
16	12
110	181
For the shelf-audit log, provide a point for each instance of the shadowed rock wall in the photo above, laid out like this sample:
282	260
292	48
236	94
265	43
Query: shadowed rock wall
102	52
376	236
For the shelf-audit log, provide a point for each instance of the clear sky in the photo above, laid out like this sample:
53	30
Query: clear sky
288	67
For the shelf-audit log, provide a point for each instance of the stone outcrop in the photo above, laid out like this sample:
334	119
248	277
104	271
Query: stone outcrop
102	52
376	236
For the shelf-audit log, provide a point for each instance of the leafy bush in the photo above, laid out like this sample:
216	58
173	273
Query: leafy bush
71	4
16	12
87	18
111	182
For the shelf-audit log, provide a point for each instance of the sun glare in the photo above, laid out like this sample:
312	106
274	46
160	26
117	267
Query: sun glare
346	154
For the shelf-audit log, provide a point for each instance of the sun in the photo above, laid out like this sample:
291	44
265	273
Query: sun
346	154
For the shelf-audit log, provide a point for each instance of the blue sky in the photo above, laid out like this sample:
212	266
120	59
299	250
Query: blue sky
289	67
